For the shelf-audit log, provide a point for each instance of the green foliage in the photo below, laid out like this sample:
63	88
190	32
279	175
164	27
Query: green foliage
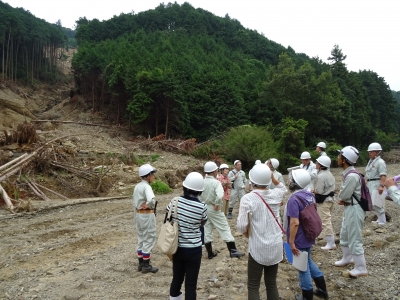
183	71
160	187
30	46
249	143
154	157
209	150
386	140
290	142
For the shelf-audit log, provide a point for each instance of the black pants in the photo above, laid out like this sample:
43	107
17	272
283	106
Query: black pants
185	264
254	273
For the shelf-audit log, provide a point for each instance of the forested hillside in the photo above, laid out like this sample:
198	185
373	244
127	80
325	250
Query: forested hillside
31	48
178	70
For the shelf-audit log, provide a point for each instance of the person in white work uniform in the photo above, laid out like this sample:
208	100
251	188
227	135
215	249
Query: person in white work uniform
353	215
145	219
309	166
375	174
238	179
212	196
321	146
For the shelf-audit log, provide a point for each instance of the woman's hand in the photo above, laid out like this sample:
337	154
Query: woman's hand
216	207
295	251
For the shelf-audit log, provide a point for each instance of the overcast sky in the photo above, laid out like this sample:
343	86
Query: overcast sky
366	31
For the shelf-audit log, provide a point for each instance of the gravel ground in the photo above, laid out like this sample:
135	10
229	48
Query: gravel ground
87	251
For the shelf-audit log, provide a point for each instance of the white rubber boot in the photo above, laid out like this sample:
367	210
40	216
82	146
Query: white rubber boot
347	258
360	266
330	243
381	219
176	298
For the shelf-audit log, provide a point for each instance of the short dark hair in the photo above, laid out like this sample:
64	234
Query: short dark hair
189	192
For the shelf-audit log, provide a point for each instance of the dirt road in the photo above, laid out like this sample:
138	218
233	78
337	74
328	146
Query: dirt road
87	251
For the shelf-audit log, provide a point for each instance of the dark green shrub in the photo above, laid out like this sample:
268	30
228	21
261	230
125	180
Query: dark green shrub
249	143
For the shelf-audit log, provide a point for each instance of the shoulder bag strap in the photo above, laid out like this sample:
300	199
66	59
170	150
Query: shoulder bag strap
301	200
269	208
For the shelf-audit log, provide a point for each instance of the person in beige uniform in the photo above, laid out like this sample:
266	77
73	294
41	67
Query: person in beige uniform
324	195
212	196
145	219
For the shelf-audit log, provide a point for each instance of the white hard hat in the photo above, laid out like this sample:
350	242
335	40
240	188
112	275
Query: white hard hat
324	161
305	155
223	166
258	162
274	163
235	162
210	166
374	147
194	181
350	153
146	169
260	174
322	145
301	177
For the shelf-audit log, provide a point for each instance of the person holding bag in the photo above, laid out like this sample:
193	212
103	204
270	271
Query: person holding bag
265	241
191	214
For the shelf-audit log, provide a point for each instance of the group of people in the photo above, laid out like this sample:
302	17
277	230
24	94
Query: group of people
208	202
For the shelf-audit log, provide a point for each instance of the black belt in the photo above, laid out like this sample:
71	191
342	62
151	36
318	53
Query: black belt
373	179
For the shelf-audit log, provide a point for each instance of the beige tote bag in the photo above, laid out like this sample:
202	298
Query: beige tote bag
168	238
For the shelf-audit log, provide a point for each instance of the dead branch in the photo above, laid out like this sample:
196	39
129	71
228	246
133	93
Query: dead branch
72	122
51	191
6	198
13	161
37	191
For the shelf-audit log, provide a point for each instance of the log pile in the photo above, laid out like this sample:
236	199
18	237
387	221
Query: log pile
160	143
50	159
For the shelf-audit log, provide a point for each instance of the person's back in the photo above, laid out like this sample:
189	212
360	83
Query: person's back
191	213
262	243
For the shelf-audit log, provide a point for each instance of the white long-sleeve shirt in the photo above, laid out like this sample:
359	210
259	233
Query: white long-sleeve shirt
265	241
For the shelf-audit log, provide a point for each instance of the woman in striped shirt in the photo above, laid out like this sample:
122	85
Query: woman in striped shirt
191	214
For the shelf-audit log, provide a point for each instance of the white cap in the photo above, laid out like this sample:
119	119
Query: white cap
257	162
301	177
324	161
305	155
194	181
210	166
145	170
374	147
223	166
322	145
236	161
350	153
260	174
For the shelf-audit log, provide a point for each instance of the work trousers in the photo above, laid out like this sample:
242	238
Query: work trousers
325	213
146	231
235	195
352	227
185	266
254	274
225	206
217	220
